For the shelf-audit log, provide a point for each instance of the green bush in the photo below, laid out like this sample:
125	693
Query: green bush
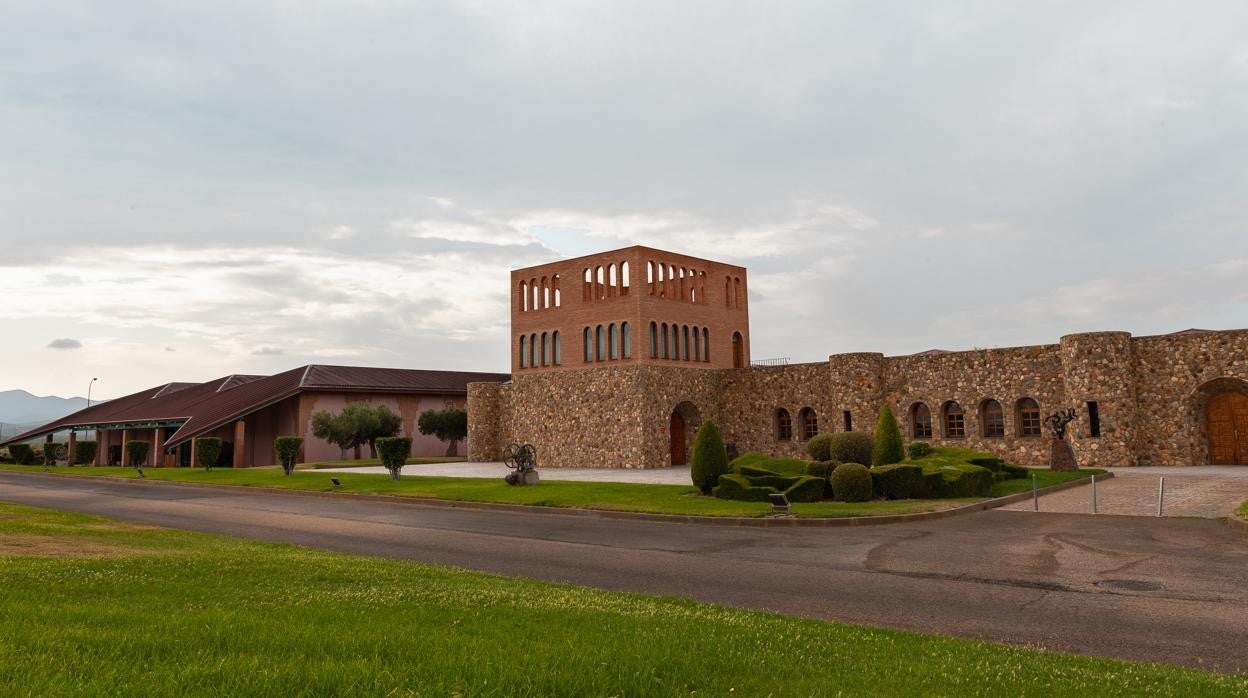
918	449
787	466
888	448
84	452
1012	471
136	453
851	482
752	458
964	481
819	447
287	448
710	458
899	481
22	454
779	482
851	447
821	468
207	451
738	487
806	489
933	482
393	451
751	471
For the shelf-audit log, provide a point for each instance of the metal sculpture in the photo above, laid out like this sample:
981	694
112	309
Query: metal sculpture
522	459
1058	420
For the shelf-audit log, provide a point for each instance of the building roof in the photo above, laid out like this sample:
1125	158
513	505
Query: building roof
196	408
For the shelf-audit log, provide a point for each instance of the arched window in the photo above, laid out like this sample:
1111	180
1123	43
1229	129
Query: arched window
554	284
624	280
683	286
654	341
697	344
955	421
1028	417
675	343
545	293
613	280
650	276
810	423
533	350
665	341
587	284
738	350
589	345
727	292
558	349
737	300
784	425
706	344
992	419
600	287
614	338
626	337
545	349
536	292
684	330
702	286
524	351
524	295
602	343
661	280
920	421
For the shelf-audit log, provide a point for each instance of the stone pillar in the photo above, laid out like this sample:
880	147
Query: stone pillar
1100	367
72	447
154	454
240	444
125	439
101	447
484	409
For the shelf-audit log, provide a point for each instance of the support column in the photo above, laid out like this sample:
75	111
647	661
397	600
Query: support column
195	452
125	439
71	448
240	443
101	447
155	455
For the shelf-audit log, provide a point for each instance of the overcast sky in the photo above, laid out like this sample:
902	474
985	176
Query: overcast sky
192	190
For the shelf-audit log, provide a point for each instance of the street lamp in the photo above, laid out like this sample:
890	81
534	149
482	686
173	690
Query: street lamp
89	386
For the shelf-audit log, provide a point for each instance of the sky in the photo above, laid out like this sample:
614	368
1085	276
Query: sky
190	190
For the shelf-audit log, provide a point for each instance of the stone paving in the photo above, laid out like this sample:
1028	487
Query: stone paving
676	475
1199	491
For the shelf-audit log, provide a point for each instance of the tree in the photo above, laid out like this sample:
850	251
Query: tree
394	452
357	424
287	448
333	429
710	458
450	425
888	448
207	451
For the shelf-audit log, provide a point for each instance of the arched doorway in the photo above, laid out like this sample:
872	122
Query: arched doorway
1220	421
738	350
682	426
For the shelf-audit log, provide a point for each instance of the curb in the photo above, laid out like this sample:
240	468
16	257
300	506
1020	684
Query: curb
1236	522
768	522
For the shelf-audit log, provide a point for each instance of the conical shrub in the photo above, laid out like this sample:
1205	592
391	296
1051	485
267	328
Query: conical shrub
710	458
888	448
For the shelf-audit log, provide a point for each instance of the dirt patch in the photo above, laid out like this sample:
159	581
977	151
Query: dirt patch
58	546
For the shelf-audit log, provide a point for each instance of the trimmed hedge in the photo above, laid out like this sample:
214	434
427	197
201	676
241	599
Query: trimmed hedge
710	458
851	482
207	451
964	481
888	447
819	447
738	487
851	447
22	454
136	453
287	449
1002	469
393	451
821	468
918	449
806	489
84	452
752	458
899	481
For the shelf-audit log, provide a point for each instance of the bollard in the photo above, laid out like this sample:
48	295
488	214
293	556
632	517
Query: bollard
1035	496
1161	494
1093	494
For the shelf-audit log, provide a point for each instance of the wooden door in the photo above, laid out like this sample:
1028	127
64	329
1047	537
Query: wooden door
678	439
1228	429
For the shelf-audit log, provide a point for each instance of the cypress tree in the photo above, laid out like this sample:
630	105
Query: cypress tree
710	458
888	448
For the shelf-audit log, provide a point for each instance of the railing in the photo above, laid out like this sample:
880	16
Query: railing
783	361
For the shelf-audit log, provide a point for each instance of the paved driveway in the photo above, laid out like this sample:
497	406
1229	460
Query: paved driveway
1173	590
676	475
1202	491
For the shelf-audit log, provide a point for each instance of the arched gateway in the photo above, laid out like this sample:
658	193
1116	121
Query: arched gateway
1227	425
682	425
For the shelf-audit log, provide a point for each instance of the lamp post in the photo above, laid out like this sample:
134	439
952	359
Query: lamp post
89	386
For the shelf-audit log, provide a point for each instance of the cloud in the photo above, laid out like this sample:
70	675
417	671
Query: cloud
65	343
267	351
342	232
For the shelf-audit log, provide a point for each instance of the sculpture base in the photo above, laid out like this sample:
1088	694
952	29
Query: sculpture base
1062	455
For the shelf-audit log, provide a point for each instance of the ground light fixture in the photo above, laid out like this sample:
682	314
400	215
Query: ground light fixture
780	502
336	483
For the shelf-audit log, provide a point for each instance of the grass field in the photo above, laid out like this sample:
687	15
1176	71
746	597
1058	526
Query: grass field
371	462
610	496
92	606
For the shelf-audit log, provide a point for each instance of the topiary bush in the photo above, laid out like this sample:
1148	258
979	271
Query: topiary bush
287	449
918	449
806	489
710	458
899	481
751	471
22	454
823	471
738	487
888	447
84	452
207	451
964	481
752	458
819	448
851	447
136	453
393	451
851	482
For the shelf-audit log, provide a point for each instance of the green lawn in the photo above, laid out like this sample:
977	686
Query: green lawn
1044	478
613	496
93	606
369	462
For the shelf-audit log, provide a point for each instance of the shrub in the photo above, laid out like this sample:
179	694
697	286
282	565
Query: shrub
738	487
851	482
1012	471
821	468
207	451
710	458
806	489
887	448
918	449
84	452
394	451
964	481
851	447
751	471
899	481
787	466
752	458
287	448
136	453
819	447
779	482
22	454
52	452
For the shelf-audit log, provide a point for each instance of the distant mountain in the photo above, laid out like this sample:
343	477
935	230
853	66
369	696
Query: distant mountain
18	407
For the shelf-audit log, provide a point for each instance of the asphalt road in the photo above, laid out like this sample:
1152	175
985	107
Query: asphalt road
1043	580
